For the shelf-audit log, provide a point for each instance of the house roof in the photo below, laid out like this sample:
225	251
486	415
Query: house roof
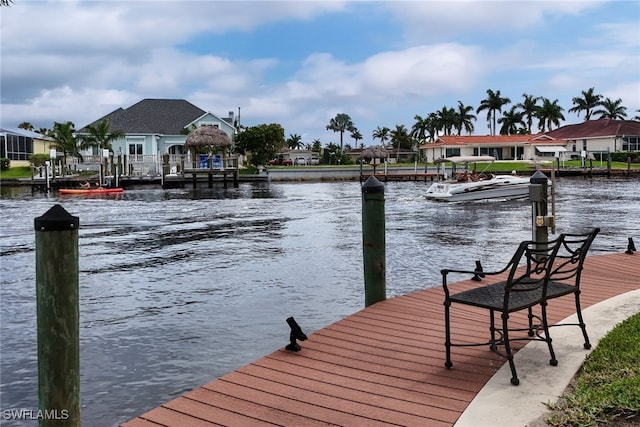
597	128
158	116
460	140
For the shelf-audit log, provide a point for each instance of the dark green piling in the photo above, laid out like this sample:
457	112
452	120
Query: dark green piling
538	196
373	241
58	318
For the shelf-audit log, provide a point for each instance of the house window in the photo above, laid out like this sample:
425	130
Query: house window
16	147
584	145
631	143
452	152
135	149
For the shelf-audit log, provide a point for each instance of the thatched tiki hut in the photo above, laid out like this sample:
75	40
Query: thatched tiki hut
207	139
374	153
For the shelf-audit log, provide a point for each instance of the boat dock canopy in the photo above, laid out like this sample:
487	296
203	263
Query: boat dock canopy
551	149
465	159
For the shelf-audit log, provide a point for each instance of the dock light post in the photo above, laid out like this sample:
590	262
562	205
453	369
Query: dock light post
373	241
58	326
538	196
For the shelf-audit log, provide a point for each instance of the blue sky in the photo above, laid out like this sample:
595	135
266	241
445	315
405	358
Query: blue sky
299	63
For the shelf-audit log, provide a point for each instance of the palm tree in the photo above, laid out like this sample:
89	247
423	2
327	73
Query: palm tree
512	122
529	108
493	104
446	119
294	141
340	123
612	109
100	136
587	103
463	118
550	113
638	116
26	126
64	140
420	128
382	134
400	136
316	145
356	135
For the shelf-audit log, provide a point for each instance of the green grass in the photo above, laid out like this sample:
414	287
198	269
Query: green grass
608	385
16	172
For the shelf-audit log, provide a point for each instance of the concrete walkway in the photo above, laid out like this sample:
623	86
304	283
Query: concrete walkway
497	405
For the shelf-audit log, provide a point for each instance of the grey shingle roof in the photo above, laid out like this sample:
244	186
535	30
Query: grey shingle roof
158	116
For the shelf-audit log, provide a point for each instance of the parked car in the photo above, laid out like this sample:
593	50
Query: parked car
314	161
280	161
301	161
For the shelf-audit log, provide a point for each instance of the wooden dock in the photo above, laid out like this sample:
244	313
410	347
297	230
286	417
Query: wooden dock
381	366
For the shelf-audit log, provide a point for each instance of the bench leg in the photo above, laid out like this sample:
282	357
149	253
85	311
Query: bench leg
587	344
447	334
547	337
507	348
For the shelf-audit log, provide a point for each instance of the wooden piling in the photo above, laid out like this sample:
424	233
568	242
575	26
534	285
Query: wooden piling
373	241
58	318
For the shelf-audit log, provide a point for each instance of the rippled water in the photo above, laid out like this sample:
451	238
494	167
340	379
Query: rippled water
179	287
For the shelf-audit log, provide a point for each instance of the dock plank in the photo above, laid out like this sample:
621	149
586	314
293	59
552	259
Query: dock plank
383	365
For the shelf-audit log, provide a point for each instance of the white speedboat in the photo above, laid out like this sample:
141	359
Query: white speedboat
468	186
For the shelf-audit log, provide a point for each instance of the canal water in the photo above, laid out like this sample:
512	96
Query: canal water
179	287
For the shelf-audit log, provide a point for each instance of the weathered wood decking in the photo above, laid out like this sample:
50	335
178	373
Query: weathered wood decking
381	366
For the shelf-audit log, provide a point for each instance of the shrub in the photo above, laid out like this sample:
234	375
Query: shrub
623	156
5	164
38	159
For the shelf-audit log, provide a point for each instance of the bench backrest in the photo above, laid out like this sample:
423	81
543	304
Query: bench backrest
569	261
538	259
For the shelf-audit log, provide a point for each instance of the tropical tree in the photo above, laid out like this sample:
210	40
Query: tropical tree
6	2
638	116
529	107
420	128
100	136
446	119
340	123
493	104
549	114
381	133
612	109
316	145
400	138
463	118
262	141
294	141
26	126
512	122
356	135
587	103
64	140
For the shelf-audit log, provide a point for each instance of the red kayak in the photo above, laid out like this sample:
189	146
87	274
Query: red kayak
90	190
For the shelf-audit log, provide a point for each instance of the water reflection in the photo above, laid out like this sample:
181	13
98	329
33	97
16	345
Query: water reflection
181	286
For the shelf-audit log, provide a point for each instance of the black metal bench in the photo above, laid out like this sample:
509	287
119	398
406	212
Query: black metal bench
529	271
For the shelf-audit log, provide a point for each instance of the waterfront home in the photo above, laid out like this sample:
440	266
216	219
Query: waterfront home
577	140
154	127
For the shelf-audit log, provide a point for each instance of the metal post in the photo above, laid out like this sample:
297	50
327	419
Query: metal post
57	303
373	241
539	203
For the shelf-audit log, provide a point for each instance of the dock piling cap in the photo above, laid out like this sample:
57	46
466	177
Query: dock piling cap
56	219
372	185
538	178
